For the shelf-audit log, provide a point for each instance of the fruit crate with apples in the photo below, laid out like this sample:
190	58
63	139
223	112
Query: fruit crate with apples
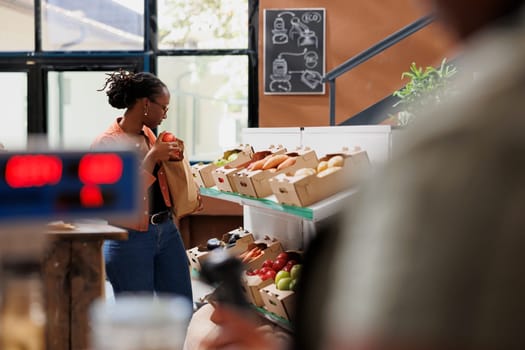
255	182
243	239
279	302
334	173
221	175
253	280
251	287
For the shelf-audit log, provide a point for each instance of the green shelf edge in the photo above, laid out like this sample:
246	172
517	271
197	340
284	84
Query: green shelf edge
306	213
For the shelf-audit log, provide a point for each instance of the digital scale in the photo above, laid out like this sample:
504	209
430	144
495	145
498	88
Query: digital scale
68	184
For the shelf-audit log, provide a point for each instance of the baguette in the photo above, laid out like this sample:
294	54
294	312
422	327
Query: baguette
257	165
274	161
287	163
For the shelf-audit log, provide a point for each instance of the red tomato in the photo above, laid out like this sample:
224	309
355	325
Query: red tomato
168	137
278	264
270	274
283	255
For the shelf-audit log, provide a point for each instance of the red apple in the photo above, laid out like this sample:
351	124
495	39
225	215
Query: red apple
270	274
278	264
283	255
168	137
267	263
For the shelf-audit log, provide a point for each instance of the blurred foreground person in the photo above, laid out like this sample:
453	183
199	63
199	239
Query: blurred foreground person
432	256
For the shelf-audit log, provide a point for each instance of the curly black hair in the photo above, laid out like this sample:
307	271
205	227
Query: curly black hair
124	87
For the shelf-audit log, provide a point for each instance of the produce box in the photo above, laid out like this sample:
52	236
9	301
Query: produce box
202	174
222	173
253	282
278	302
251	287
241	244
255	183
335	172
268	247
197	255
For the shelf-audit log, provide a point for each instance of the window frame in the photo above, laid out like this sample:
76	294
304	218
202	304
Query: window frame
38	63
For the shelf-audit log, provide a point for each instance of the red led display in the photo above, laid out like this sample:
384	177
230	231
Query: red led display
24	171
91	196
99	169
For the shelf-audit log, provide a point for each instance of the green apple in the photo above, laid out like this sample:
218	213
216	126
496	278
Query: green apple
281	274
220	162
232	157
295	271
293	284
284	283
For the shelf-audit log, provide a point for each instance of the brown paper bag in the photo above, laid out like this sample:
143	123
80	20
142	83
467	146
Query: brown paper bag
183	189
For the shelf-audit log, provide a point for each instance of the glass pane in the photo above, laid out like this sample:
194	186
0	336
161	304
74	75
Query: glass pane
17	26
86	25
203	24
209	102
77	112
13	99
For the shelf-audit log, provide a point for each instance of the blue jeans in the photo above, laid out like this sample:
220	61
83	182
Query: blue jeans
153	261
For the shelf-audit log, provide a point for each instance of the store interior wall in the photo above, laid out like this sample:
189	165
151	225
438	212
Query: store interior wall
351	27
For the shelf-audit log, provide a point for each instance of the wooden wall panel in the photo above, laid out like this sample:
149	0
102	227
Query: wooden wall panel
351	27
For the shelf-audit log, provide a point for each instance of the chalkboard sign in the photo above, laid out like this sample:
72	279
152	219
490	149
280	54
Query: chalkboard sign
294	51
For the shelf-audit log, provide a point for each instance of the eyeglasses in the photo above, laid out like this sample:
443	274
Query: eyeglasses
164	108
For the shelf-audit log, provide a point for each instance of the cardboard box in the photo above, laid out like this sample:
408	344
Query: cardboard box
251	287
196	257
202	174
221	175
241	244
255	183
305	190
271	248
278	302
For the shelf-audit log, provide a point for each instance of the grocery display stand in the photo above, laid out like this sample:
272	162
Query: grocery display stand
295	226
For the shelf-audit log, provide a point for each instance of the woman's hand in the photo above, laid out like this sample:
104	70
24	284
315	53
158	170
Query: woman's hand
163	151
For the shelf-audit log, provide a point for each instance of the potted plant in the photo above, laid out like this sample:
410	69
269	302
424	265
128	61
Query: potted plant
427	86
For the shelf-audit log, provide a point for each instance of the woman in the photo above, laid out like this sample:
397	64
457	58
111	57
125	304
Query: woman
153	259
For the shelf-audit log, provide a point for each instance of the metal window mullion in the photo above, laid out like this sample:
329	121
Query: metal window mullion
38	25
150	36
253	63
37	101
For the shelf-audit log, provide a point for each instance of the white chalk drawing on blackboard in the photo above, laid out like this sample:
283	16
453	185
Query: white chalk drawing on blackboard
280	77
305	36
279	31
311	59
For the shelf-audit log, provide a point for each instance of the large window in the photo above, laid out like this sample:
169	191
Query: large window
203	24
199	48
13	119
81	25
209	90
